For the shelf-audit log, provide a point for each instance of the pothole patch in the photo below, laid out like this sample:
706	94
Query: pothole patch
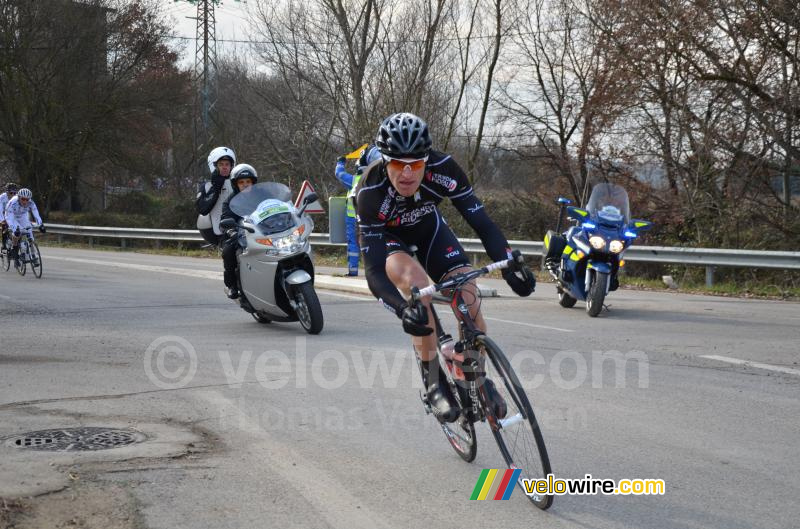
81	439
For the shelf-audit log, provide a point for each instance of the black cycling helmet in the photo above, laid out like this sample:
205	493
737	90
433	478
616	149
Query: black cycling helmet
403	135
11	187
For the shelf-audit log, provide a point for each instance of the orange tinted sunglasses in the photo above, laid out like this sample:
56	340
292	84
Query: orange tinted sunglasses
398	164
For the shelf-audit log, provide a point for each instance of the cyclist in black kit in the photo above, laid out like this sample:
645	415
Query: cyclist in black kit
396	208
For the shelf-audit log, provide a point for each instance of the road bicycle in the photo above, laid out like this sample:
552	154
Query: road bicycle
29	254
475	358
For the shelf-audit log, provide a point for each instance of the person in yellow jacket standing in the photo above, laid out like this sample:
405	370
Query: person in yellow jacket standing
368	154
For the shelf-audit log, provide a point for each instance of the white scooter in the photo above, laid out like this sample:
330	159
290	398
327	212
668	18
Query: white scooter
275	272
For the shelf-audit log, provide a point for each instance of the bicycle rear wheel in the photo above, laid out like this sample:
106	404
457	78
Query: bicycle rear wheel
517	434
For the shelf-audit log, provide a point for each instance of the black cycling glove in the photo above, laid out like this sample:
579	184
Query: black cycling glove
415	320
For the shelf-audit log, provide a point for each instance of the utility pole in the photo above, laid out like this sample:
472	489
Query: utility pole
204	81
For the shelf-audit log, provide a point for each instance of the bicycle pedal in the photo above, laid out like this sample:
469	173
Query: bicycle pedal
425	404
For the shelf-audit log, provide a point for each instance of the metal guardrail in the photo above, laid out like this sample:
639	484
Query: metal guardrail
708	257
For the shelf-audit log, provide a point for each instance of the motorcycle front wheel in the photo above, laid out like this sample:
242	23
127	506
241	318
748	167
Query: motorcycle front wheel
309	310
597	294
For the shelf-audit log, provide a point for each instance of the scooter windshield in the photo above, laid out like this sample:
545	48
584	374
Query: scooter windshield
247	201
609	202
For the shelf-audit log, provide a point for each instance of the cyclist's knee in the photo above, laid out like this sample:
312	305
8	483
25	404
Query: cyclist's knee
405	272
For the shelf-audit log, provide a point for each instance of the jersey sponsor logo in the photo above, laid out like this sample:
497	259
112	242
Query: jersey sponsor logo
452	252
411	217
383	211
443	180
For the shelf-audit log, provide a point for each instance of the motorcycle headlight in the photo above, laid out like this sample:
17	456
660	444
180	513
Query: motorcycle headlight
616	246
597	242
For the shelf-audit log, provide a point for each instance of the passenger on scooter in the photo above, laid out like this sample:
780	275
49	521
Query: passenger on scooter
243	177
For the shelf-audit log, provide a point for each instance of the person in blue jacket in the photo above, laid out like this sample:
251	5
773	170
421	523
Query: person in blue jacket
350	181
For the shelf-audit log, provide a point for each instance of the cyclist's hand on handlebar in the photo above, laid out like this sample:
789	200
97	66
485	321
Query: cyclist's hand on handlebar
42	229
415	320
518	276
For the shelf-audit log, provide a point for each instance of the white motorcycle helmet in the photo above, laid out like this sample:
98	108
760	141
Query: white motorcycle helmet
220	152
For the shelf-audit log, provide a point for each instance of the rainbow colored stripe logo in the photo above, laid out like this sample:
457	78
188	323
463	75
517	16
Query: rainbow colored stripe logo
495	484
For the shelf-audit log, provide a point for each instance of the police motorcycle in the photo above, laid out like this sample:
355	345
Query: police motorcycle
275	272
585	260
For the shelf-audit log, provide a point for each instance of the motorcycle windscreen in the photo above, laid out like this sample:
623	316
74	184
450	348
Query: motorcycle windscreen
273	216
247	201
609	202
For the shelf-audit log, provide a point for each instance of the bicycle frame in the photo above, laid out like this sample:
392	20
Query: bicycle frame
468	331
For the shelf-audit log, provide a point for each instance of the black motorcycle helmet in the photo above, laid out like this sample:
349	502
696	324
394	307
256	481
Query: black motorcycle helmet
403	135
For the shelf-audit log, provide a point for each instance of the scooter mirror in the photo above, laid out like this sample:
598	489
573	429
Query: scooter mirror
310	198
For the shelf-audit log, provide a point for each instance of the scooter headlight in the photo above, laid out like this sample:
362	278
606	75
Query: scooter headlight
597	242
616	246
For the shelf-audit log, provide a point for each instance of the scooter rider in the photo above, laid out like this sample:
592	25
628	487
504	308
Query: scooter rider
243	176
213	194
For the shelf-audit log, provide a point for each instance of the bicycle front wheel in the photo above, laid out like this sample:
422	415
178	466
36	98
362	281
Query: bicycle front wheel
516	432
36	260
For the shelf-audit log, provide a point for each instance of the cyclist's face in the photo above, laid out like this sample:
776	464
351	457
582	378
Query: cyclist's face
405	174
224	167
10	194
23	201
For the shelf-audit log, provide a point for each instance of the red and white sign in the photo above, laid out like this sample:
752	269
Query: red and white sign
305	190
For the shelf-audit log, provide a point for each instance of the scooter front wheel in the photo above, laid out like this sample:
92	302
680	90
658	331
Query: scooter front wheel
309	310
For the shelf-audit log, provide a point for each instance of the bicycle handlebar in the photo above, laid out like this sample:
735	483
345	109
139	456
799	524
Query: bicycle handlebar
416	294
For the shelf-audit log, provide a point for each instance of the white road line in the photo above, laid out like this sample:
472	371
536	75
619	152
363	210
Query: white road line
747	363
337	295
203	274
530	325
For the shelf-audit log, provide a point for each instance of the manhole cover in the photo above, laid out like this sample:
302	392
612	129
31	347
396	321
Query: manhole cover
75	439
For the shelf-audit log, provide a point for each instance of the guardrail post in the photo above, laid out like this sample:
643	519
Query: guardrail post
122	243
60	238
709	276
91	242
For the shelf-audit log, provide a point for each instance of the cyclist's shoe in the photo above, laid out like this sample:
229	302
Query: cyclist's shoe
440	396
496	400
232	292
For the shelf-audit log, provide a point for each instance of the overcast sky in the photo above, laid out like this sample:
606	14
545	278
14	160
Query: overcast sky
231	22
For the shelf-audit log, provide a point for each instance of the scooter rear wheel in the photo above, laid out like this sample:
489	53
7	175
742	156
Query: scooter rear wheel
259	318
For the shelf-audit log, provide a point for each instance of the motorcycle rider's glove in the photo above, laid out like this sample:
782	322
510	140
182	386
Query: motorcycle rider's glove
415	320
217	180
518	276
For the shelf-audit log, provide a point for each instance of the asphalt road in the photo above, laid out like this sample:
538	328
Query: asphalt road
327	431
